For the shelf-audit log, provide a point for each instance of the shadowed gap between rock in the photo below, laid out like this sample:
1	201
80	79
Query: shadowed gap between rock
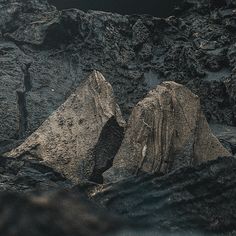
22	113
105	150
21	101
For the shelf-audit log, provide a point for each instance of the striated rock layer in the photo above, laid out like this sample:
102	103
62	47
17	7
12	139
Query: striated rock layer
166	130
81	138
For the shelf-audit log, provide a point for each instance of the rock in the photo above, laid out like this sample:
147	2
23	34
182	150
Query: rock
13	79
54	213
166	130
54	49
140	33
188	201
80	139
24	175
227	136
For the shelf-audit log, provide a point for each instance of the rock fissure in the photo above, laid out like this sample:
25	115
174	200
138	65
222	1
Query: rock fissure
21	101
22	114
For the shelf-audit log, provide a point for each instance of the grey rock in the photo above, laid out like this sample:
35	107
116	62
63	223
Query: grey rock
227	136
189	201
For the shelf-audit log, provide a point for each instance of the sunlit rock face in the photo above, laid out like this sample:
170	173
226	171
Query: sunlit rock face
82	136
166	130
160	8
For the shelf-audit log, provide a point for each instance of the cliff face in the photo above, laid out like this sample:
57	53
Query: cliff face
46	52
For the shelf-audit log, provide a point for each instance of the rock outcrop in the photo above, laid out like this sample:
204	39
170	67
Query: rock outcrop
24	175
55	213
81	138
226	135
44	53
166	130
189	201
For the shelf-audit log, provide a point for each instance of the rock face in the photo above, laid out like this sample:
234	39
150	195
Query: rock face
166	130
24	175
227	136
44	53
82	137
189	201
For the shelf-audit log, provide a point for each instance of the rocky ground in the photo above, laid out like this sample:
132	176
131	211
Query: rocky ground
46	54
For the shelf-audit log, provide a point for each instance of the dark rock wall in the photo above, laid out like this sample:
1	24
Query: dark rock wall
45	54
195	200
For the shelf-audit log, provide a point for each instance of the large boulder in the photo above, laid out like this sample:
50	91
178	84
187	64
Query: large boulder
81	138
166	130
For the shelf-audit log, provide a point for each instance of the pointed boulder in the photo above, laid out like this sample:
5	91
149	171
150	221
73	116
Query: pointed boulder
82	137
166	130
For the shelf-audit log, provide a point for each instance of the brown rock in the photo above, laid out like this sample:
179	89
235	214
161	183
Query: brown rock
166	130
81	138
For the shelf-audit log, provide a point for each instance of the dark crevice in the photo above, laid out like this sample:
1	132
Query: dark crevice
27	81
21	101
105	150
22	114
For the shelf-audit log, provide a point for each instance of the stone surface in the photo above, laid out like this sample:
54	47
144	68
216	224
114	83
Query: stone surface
53	50
166	130
190	201
81	138
24	175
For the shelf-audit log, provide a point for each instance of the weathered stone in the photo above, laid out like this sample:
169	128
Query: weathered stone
166	130
81	138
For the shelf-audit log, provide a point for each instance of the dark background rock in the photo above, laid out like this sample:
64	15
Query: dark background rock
46	53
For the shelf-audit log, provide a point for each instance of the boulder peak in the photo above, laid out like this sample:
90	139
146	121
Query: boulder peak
166	130
76	139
